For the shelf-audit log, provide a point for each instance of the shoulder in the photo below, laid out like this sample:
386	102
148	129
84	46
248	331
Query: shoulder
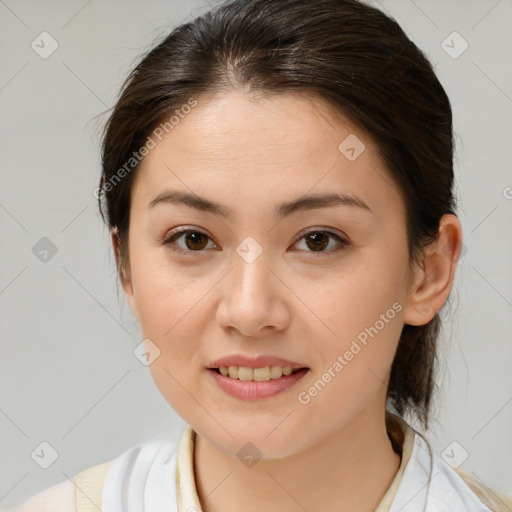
107	483
80	494
58	498
430	483
86	490
493	499
453	489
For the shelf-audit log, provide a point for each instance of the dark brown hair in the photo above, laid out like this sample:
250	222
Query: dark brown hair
352	55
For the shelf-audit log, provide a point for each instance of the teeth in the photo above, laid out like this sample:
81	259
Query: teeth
233	372
256	374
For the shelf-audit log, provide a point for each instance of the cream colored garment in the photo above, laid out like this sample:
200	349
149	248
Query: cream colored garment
89	487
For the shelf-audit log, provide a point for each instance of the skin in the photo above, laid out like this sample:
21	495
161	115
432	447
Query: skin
250	154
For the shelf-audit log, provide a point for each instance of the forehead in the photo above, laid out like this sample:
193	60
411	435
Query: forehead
238	146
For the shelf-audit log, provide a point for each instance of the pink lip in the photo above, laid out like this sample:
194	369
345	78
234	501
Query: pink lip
254	362
256	390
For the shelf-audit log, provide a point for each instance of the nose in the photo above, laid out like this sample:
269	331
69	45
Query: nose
254	298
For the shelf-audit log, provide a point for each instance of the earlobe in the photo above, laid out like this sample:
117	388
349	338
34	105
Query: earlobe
434	277
130	296
124	276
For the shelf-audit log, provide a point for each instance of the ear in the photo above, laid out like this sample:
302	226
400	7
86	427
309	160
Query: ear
433	278
124	276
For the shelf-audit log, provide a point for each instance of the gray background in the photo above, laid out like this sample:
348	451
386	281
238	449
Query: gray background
67	372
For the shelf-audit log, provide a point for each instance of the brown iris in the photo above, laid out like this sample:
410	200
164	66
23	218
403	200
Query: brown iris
319	240
197	240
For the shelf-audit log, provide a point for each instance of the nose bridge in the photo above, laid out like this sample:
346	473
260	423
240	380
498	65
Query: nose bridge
251	299
251	275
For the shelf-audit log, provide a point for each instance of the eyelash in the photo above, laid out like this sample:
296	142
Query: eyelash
173	236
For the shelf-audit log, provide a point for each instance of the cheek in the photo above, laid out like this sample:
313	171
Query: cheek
174	306
356	298
164	293
170	315
356	360
361	313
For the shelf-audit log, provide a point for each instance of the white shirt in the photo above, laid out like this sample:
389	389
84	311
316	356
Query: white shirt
144	478
158	476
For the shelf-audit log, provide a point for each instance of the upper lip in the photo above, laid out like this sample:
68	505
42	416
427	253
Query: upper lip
254	362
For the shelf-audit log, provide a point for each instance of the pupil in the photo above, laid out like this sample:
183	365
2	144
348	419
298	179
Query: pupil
193	237
320	240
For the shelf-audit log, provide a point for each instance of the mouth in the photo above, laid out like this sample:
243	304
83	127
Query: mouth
255	377
247	383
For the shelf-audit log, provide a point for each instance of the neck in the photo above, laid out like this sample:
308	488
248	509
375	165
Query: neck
349	470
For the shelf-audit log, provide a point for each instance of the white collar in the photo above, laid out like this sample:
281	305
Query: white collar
158	476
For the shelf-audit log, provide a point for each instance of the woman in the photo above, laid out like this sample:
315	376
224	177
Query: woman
278	182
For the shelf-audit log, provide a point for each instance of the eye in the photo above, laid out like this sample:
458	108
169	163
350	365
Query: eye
319	240
194	240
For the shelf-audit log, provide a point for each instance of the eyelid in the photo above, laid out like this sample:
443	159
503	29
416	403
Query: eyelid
320	229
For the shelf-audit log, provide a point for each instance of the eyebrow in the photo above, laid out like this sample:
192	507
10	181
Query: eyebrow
303	203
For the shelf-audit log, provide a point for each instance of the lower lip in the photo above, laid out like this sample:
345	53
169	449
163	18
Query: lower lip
256	390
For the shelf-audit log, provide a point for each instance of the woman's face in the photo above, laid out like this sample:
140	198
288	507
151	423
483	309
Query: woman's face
250	281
